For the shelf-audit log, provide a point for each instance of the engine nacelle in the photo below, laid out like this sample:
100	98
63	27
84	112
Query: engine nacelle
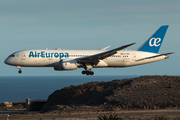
66	65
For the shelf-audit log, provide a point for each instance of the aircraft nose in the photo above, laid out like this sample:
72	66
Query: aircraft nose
9	61
6	61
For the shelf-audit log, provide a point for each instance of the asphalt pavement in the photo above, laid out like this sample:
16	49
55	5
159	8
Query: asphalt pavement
23	115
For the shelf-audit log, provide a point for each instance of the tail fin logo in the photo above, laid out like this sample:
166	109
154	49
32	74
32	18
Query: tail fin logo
154	42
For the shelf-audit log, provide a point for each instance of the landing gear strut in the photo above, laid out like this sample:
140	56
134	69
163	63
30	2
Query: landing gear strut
20	71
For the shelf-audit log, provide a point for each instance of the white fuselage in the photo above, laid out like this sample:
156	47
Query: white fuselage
87	59
51	58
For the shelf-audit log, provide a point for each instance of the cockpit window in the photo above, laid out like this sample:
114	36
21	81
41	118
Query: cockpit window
11	56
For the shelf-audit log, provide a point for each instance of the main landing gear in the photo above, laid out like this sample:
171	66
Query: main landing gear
20	71
87	72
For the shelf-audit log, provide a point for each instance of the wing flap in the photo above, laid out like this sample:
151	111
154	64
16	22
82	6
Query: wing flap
105	54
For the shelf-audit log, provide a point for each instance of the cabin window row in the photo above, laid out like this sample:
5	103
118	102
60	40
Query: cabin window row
77	56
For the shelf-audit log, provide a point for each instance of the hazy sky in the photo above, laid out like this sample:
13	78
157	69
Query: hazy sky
88	24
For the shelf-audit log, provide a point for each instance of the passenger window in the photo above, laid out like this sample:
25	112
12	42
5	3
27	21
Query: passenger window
11	56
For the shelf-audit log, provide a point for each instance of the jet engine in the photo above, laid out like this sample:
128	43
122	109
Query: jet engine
66	65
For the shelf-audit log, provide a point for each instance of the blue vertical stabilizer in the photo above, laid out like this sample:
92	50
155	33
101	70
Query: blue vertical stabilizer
154	43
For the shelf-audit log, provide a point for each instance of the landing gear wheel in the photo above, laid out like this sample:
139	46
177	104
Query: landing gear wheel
91	73
19	71
87	72
83	72
19	67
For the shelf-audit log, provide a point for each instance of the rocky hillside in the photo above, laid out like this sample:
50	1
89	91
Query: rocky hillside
145	92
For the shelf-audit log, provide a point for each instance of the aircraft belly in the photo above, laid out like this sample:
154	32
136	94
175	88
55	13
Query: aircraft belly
117	62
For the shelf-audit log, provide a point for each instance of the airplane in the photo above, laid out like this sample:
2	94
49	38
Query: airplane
62	60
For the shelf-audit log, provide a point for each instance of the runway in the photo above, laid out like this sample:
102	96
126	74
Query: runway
88	115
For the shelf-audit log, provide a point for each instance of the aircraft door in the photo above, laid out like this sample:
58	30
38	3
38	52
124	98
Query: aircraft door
133	56
23	56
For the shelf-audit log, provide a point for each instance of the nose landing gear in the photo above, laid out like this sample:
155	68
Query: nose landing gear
19	67
20	71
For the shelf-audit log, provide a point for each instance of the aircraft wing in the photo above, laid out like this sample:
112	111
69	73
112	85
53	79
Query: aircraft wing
155	56
105	54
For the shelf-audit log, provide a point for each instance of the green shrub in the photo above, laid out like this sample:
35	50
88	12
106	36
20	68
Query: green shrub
161	117
111	117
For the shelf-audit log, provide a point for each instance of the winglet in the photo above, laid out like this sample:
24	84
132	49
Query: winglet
154	43
104	48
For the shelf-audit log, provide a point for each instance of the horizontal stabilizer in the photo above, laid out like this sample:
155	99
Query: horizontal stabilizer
155	56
